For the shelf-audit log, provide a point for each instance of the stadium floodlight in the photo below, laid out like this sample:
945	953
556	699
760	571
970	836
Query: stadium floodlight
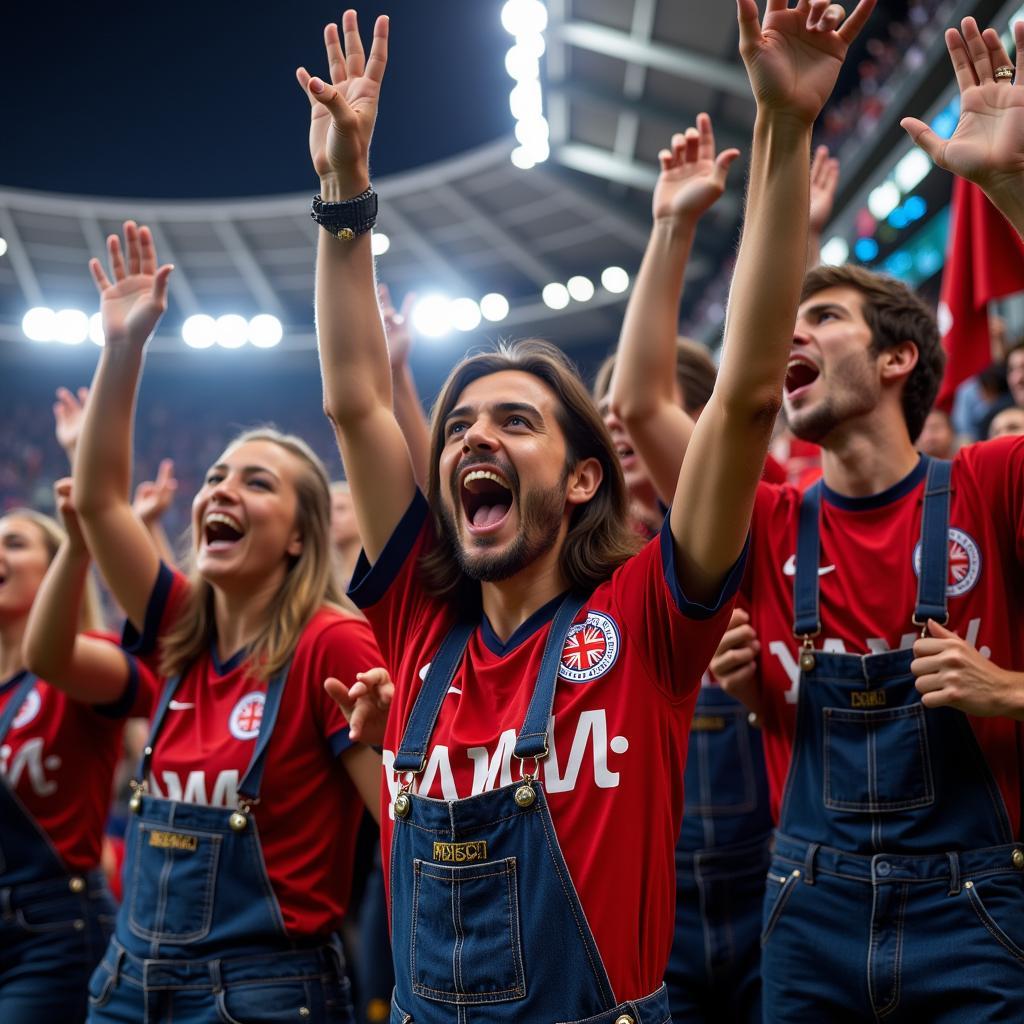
465	315
432	316
912	170
522	159
199	331
532	132
521	64
494	307
525	101
379	243
531	44
38	323
538	151
835	252
96	329
232	330
524	17
555	295
3	246
883	200
580	288
615	279
70	327
265	331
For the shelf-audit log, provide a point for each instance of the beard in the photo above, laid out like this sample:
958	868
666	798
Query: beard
853	391
540	520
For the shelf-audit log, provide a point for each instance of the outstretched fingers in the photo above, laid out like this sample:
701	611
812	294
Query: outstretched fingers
99	275
963	66
131	240
1018	42
996	52
355	58
335	54
750	23
147	250
723	162
116	256
706	138
978	51
378	60
852	26
160	282
924	137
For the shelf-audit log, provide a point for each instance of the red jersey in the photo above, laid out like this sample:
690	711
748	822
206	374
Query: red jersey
868	580
309	811
59	758
630	673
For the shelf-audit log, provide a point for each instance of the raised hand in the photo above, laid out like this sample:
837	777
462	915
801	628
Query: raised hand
397	325
794	57
131	305
692	177
64	501
988	144
153	497
68	411
824	180
365	704
344	110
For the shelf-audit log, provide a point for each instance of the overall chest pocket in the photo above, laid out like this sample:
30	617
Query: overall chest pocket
877	761
466	946
172	884
720	775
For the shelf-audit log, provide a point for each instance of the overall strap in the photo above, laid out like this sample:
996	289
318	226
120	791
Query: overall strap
806	610
533	734
934	570
249	787
412	753
14	704
170	688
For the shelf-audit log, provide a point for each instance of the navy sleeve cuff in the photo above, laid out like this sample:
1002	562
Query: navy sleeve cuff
145	642
693	609
370	582
120	707
340	742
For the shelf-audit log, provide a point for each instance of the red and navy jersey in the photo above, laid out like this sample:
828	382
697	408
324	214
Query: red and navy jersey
868	579
59	758
309	811
631	668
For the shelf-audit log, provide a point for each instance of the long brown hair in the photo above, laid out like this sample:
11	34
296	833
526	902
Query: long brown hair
90	617
599	538
310	582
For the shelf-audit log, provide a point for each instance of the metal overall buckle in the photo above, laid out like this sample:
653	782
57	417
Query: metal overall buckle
403	802
139	790
525	794
239	818
923	626
807	658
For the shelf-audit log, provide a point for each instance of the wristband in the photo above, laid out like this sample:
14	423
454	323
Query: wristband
347	219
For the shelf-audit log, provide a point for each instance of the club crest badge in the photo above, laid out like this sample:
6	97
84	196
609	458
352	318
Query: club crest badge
246	716
29	709
591	648
964	562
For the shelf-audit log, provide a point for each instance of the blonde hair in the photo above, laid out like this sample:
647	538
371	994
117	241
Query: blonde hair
90	617
310	582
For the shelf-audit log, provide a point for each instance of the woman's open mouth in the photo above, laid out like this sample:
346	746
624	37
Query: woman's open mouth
221	531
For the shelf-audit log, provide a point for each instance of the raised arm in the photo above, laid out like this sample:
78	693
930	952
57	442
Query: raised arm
988	144
86	668
132	300
152	500
824	182
353	349
68	411
643	395
792	61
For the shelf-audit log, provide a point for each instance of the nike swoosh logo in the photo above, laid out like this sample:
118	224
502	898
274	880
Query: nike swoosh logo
789	569
177	705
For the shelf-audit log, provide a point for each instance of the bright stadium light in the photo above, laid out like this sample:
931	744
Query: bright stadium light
912	170
494	307
432	316
525	101
3	246
265	331
615	279
232	330
199	331
538	151
835	252
524	17
521	65
70	327
96	329
883	200
522	159
379	243
532	132
38	323
555	295
531	44
580	288
465	315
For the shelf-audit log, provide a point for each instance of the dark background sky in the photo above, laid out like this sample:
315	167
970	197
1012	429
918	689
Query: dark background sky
189	99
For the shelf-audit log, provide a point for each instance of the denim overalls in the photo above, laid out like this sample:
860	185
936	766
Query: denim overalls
486	925
721	861
894	871
54	925
200	935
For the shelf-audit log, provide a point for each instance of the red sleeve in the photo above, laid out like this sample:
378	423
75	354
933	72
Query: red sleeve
998	467
676	637
165	604
774	472
141	691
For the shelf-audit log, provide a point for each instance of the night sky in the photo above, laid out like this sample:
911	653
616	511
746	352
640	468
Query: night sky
193	99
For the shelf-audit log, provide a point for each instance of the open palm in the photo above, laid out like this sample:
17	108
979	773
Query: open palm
692	177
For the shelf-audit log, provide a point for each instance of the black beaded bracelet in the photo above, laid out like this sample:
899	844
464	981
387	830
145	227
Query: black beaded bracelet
347	219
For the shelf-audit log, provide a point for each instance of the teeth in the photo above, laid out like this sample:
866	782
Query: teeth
484	474
220	517
800	361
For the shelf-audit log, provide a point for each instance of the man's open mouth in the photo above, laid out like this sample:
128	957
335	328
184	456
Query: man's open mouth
486	498
800	373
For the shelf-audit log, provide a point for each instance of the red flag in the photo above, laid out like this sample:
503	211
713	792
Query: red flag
984	261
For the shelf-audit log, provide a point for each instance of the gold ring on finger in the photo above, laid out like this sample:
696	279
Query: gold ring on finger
1006	71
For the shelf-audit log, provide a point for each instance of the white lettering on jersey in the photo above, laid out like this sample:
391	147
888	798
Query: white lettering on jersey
875	644
29	759
194	791
492	770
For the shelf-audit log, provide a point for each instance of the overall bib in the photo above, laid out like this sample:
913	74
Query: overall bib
721	861
200	937
54	925
894	871
486	925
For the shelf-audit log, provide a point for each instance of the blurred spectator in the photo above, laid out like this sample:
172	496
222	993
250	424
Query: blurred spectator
1015	372
937	437
1006	422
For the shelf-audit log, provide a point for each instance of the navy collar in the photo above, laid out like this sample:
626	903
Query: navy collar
900	489
228	666
541	617
10	684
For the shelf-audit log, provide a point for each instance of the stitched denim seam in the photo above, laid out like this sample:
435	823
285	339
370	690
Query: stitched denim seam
514	937
898	959
993	929
778	906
